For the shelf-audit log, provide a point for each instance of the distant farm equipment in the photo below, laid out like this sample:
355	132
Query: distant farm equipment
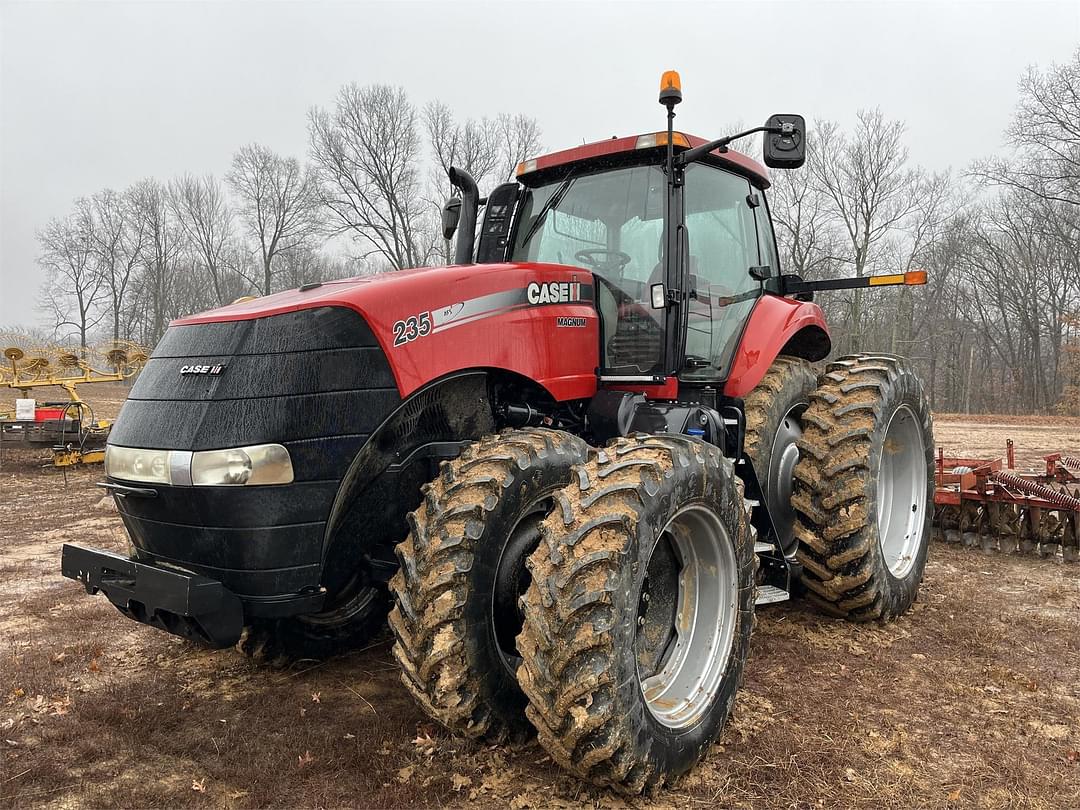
985	503
69	427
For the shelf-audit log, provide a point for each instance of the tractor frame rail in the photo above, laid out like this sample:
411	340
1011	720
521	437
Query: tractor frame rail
985	503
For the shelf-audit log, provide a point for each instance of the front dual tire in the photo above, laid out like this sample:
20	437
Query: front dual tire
631	618
638	618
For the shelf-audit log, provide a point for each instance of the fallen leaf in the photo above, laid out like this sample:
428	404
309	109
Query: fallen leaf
303	711
93	666
316	697
198	785
425	744
849	774
237	794
954	796
350	736
305	759
56	659
1072	756
405	774
460	782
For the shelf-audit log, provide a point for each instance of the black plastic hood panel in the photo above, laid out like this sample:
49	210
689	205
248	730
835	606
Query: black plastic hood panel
315	381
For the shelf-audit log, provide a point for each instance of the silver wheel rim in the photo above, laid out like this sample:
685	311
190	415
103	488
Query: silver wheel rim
781	483
690	669
901	491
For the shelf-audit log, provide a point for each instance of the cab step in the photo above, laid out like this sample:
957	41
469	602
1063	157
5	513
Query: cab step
769	594
763	548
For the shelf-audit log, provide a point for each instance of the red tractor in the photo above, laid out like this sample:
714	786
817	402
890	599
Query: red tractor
568	465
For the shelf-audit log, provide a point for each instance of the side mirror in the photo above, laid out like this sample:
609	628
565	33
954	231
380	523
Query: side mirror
451	213
785	149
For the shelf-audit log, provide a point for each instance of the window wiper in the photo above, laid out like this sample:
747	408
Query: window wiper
545	209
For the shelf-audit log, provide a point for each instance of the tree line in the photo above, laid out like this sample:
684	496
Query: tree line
123	263
996	330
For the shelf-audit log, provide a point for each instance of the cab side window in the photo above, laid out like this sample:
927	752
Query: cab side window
722	236
766	236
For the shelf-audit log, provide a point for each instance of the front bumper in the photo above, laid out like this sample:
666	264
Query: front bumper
182	603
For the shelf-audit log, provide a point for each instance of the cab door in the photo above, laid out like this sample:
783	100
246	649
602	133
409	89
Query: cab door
722	246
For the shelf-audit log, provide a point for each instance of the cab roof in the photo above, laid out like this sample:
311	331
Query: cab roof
617	146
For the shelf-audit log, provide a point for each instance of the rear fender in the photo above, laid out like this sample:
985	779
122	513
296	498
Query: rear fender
776	326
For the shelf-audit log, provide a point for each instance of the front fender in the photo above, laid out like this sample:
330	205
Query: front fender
776	326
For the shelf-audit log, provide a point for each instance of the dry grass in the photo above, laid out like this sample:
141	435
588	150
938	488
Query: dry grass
972	700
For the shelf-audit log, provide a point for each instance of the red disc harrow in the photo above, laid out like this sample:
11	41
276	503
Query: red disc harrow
985	503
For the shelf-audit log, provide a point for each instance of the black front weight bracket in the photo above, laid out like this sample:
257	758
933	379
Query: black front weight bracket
188	605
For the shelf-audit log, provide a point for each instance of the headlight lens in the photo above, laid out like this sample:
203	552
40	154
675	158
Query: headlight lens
236	466
258	464
132	464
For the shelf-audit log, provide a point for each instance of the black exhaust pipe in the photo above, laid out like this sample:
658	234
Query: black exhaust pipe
470	204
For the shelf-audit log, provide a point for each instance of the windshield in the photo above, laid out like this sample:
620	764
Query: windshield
612	224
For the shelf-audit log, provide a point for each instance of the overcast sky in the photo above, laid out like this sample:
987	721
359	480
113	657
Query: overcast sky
102	94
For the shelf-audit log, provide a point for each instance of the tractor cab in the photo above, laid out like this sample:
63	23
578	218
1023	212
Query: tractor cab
675	231
608	215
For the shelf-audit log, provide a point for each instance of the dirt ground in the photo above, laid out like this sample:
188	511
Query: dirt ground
971	700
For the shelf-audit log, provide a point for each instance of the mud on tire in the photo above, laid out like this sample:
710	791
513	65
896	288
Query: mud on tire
864	488
454	644
773	426
584	657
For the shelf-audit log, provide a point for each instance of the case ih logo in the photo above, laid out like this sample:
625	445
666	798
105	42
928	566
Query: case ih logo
212	370
554	292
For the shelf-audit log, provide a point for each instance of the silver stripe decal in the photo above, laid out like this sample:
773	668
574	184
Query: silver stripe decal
487	306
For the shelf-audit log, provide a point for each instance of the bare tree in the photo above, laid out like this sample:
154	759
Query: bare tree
201	209
163	244
367	151
279	203
118	247
473	145
870	188
74	286
520	138
1045	136
805	229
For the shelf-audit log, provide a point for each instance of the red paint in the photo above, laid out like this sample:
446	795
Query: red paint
614	146
668	389
773	322
525	340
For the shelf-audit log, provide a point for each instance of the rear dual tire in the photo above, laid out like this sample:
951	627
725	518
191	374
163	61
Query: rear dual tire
864	488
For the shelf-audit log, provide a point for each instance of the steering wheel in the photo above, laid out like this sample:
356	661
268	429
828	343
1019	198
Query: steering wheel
615	262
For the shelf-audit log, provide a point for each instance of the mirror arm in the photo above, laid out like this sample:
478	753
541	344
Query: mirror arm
698	152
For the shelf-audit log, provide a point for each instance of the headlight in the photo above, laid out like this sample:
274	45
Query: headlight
132	464
237	466
259	464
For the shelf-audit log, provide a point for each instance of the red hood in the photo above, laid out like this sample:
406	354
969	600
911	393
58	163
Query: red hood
356	293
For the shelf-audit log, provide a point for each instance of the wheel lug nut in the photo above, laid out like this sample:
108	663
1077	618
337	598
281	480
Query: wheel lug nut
645	597
641	621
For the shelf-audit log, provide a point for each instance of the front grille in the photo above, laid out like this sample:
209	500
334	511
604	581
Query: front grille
315	381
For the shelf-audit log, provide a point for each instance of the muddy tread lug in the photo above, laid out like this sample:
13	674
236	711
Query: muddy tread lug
431	586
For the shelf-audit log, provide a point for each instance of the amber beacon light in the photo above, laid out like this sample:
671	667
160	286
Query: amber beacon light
670	88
